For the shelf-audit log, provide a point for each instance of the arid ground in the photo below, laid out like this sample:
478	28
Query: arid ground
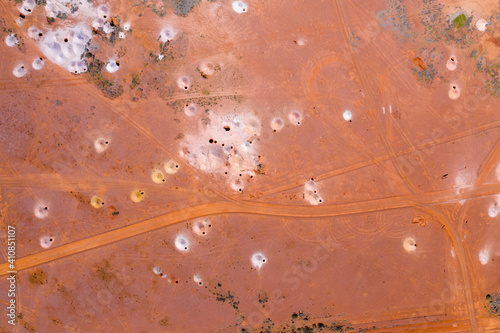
250	166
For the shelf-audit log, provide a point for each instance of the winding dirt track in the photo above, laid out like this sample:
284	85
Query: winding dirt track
428	202
244	208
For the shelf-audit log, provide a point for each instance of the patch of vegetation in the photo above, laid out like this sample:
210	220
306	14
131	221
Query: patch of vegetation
262	297
304	326
103	271
164	321
493	83
223	297
62	16
179	7
427	75
396	17
260	170
459	21
183	7
110	88
113	36
136	80
493	305
38	277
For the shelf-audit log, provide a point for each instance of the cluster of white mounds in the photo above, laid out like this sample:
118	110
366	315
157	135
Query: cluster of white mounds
66	47
311	193
225	144
295	118
201	227
158	175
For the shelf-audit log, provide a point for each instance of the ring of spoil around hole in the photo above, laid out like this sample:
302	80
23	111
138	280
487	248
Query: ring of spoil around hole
200	228
454	91
240	7
197	279
452	63
183	82
190	109
19	71
112	66
295	117
11	40
258	260
347	115
101	144
157	176
37	64
167	34
181	243
137	196
481	25
46	241
171	167
237	185
206	69
409	244
96	202
41	211
277	124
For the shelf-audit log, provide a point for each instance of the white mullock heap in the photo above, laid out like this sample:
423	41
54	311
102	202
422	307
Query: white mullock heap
225	143
66	46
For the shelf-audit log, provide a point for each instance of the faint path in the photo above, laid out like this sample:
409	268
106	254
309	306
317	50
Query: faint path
489	164
450	229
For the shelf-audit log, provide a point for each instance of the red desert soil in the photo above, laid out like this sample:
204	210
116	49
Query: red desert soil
250	166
